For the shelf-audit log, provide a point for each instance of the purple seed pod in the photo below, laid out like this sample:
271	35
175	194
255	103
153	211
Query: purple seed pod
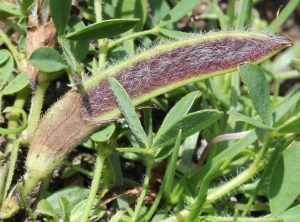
144	76
176	64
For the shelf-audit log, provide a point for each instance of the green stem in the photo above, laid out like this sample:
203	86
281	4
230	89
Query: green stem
149	162
12	49
23	195
242	177
12	165
135	150
135	35
78	168
266	172
102	43
102	153
13	118
13	25
37	105
212	100
70	76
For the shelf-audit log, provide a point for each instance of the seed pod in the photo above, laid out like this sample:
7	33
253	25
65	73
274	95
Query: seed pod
176	64
144	76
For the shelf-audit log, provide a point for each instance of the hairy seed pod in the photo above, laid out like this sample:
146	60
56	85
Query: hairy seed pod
176	64
144	76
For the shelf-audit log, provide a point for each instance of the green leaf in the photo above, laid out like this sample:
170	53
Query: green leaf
259	90
285	107
60	12
159	9
175	34
292	124
10	8
4	55
283	15
20	82
291	215
286	57
45	207
70	58
171	167
47	59
127	108
189	124
244	13
284	184
65	208
80	207
240	117
79	49
104	134
180	109
296	64
103	29
221	17
71	194
126	9
180	10
6	68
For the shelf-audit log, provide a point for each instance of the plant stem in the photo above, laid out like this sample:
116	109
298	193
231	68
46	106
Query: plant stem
242	177
12	49
14	118
135	35
267	170
102	43
149	161
12	165
212	151
37	105
102	153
